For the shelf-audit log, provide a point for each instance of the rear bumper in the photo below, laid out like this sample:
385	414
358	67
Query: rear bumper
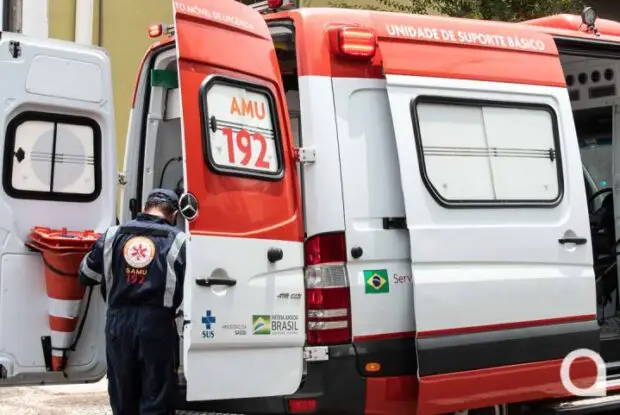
340	385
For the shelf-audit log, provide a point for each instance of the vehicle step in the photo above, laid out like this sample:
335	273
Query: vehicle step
612	367
583	406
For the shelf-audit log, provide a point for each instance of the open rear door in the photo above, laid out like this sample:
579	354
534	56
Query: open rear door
244	290
59	171
503	282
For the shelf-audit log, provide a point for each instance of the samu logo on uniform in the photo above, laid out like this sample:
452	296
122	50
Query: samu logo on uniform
138	252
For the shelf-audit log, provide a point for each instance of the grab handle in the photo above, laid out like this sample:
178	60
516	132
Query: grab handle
576	241
211	281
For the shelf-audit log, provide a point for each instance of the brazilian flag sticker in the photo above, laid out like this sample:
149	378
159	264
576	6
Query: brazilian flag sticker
377	281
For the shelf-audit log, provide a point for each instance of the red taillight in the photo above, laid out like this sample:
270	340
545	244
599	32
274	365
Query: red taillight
324	248
328	297
275	4
357	42
300	406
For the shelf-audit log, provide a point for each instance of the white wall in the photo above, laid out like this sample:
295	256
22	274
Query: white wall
35	18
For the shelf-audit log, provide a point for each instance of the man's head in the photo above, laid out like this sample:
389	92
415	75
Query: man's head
163	203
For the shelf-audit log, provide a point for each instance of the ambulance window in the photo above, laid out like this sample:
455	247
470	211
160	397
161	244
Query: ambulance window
52	157
241	134
482	153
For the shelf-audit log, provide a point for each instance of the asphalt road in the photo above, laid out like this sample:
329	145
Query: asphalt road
55	400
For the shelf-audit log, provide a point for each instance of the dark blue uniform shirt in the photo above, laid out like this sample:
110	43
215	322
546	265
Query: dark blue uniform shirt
139	264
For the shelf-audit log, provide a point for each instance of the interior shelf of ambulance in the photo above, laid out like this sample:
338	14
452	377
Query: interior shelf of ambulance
163	165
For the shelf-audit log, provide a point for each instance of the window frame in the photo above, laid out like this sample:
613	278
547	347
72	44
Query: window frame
473	102
213	80
9	148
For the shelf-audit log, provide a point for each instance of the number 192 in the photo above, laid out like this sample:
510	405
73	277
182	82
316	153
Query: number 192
242	140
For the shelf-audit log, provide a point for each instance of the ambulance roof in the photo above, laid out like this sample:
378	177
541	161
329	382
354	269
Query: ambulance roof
561	24
417	45
570	25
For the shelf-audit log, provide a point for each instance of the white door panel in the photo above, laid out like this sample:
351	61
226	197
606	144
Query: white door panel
53	92
244	290
480	264
214	343
461	296
372	191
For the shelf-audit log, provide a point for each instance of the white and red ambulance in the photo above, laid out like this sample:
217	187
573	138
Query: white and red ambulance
388	213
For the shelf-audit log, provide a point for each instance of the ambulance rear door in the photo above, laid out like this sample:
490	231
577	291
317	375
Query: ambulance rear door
244	290
59	164
496	210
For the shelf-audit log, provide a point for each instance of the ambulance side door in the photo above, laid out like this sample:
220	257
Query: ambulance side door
497	217
244	289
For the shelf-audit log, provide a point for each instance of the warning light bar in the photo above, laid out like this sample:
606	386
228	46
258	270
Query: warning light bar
158	30
268	6
354	42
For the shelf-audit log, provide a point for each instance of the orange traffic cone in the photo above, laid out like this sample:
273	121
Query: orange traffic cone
62	253
65	294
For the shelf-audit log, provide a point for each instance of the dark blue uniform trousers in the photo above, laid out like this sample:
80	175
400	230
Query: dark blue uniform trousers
141	348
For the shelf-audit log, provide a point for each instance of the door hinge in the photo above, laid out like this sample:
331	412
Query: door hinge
122	178
15	49
394	223
305	155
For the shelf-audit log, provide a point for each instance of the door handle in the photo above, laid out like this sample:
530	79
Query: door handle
275	254
211	281
576	241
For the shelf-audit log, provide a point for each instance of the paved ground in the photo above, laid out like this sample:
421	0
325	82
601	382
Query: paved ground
55	400
58	400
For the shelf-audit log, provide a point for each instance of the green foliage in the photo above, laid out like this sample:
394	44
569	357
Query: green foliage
344	4
417	7
505	10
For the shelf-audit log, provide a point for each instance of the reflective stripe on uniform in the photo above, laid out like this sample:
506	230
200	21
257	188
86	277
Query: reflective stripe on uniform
108	257
85	269
171	275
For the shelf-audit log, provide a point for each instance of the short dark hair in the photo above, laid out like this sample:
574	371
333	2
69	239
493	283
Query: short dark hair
158	204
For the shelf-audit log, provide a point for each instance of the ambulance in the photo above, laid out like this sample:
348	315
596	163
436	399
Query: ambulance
387	213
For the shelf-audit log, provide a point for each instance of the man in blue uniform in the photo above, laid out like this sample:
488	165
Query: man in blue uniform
141	268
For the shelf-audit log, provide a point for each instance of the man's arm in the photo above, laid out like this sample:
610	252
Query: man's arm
180	265
179	270
91	268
